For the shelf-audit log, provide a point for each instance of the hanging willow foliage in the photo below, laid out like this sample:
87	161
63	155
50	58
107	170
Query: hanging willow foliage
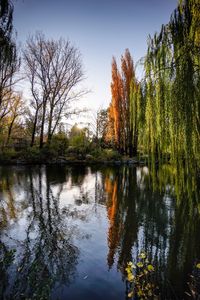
172	72
161	114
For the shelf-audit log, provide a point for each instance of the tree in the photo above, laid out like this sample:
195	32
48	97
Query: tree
110	132
116	106
102	124
8	56
17	110
78	137
128	79
98	125
54	70
124	107
172	70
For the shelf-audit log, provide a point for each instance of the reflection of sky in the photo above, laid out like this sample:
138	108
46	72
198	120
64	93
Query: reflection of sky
143	219
88	228
100	29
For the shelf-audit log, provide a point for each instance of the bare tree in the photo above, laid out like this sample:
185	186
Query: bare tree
54	69
98	123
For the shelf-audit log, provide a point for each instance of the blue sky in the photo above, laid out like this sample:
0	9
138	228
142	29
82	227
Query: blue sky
100	29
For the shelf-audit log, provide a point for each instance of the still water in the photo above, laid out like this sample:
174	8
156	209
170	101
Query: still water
68	232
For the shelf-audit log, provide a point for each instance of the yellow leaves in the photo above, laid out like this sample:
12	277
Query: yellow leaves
140	264
130	295
140	280
140	293
198	266
131	265
150	268
130	277
142	255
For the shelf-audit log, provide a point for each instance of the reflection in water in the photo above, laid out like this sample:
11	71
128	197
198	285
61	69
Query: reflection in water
141	218
46	255
46	214
121	214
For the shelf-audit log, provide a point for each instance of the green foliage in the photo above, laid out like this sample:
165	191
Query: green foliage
59	144
78	141
106	154
172	72
31	154
8	154
58	147
163	110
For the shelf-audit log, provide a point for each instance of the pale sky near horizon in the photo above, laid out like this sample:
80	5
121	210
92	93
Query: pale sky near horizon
100	29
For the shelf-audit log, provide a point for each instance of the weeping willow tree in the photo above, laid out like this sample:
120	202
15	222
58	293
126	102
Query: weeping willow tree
135	115
172	74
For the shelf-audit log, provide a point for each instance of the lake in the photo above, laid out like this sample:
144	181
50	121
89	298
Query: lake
67	232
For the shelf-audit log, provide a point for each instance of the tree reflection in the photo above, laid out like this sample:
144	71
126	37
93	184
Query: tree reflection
6	259
47	255
154	220
121	214
144	208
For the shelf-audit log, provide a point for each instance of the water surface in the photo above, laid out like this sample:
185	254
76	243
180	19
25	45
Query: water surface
68	232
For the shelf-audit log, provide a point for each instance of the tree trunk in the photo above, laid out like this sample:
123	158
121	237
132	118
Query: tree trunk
49	127
42	125
131	143
135	143
9	131
34	129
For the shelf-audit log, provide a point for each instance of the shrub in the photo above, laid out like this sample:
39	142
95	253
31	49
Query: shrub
59	143
7	154
31	154
106	154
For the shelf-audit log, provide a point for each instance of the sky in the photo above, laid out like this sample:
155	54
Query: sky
99	29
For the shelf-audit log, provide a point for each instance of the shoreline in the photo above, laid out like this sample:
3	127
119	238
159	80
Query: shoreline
64	161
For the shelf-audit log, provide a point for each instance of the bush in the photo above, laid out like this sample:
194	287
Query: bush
59	144
106	154
111	154
31	154
7	154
